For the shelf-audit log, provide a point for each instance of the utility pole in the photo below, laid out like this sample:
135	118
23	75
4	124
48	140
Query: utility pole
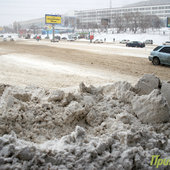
110	3
53	32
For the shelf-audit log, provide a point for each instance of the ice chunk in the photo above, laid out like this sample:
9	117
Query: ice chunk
152	108
147	84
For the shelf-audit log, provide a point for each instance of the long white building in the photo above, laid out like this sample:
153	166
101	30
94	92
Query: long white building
161	8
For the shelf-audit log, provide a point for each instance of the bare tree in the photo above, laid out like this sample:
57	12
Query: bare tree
16	27
127	20
144	23
118	22
156	22
66	22
134	21
7	29
34	28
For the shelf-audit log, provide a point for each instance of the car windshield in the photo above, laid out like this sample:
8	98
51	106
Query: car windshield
157	48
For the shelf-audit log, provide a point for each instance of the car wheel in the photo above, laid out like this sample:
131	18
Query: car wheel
156	61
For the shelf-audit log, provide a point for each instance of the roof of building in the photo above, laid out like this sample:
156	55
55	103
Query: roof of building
149	3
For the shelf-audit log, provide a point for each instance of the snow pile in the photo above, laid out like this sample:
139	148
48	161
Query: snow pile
152	108
165	90
147	84
116	126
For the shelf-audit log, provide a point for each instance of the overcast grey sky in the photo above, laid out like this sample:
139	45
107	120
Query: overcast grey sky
21	10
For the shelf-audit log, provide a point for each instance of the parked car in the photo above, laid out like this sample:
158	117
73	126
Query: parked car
98	41
4	39
135	44
71	39
64	38
166	43
124	41
28	36
148	41
160	55
55	40
11	39
57	37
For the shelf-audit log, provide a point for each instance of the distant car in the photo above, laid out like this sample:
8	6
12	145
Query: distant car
71	39
4	39
135	44
160	55
64	38
57	37
11	39
28	36
166	43
74	37
55	40
98	41
124	41
148	41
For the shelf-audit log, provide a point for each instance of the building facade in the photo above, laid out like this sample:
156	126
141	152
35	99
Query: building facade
161	9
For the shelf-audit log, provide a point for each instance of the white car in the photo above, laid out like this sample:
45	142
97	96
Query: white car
4	39
124	41
71	39
148	41
166	43
98	41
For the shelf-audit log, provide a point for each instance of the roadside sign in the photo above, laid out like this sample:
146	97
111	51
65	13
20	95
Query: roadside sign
52	19
168	22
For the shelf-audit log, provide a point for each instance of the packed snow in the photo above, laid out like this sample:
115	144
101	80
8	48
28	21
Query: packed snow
114	127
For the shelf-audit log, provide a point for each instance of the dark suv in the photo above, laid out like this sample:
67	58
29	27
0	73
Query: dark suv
135	44
160	55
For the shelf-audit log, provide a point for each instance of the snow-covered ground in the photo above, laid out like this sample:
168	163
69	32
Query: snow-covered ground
52	74
157	39
104	48
117	126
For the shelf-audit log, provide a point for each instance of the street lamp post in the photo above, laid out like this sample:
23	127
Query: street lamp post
53	32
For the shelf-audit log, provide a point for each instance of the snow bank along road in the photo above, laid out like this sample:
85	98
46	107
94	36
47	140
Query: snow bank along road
117	126
112	127
66	64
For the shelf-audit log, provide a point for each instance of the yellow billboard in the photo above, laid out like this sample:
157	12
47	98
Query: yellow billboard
52	19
